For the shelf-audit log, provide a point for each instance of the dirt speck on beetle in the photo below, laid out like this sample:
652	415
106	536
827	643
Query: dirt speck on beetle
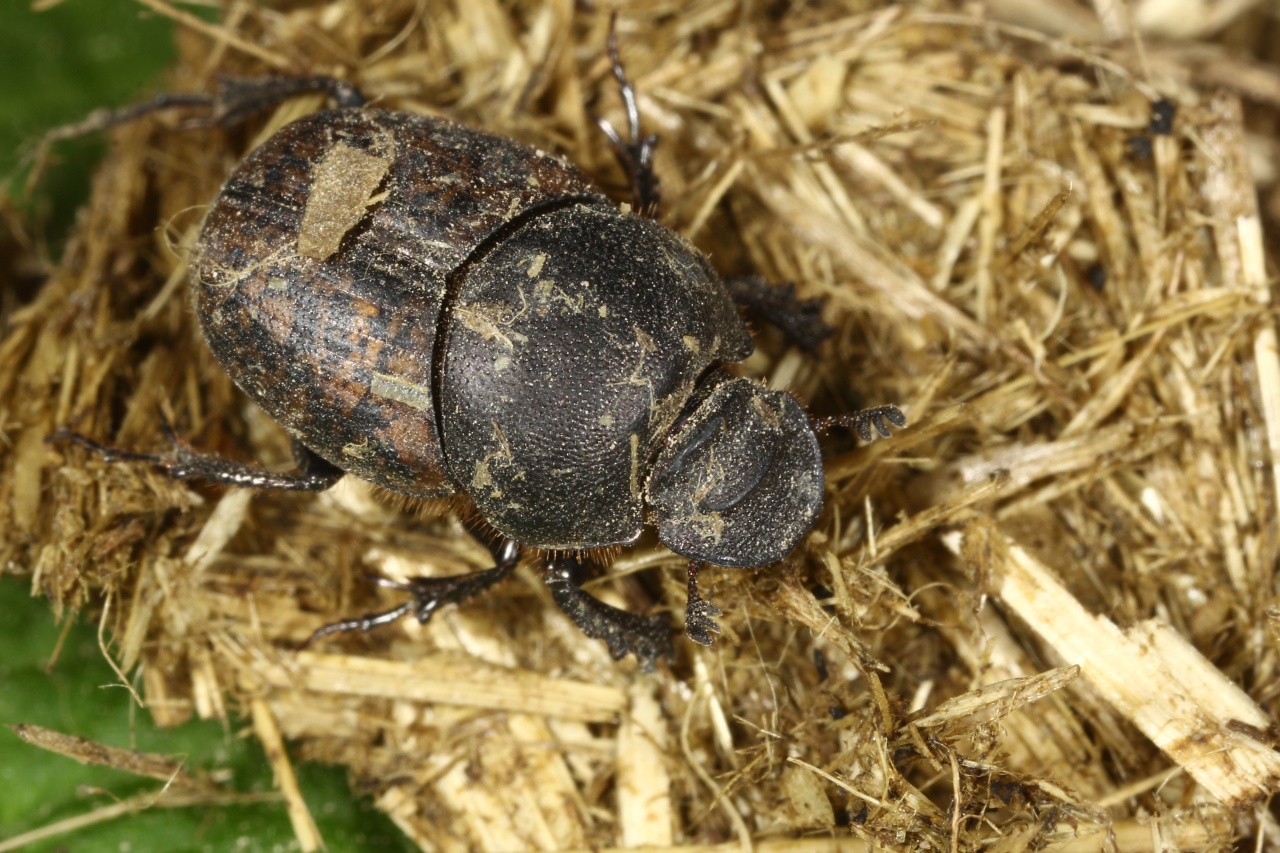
342	191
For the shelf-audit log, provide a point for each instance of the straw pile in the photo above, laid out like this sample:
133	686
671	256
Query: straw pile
1042	617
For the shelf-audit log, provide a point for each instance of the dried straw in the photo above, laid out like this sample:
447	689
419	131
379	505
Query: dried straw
1042	617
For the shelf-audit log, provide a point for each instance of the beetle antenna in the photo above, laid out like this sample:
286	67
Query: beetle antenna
862	421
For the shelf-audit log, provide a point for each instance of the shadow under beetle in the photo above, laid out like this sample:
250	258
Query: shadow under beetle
440	310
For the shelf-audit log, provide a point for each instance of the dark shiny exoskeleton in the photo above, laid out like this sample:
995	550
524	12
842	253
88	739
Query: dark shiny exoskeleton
439	310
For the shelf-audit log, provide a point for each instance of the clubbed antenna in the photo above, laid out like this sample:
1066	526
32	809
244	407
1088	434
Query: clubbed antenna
880	417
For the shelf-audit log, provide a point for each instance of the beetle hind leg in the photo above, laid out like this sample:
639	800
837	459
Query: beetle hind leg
428	595
646	637
238	98
235	100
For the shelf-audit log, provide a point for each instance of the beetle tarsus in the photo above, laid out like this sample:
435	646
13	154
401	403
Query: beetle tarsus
108	452
105	119
799	319
646	637
862	421
699	620
361	623
427	595
635	152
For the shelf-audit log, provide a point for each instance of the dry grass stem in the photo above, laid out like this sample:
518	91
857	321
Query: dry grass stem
1043	617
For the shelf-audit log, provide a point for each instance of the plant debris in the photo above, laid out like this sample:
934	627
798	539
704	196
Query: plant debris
1046	612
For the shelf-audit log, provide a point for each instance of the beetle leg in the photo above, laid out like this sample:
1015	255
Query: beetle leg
646	637
699	620
634	153
880	417
234	101
428	595
182	463
105	119
238	98
799	319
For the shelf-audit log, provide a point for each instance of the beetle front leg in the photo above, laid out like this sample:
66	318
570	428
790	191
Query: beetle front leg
799	319
699	619
313	474
646	637
428	595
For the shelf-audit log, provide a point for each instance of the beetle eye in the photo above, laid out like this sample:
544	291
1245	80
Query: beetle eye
741	481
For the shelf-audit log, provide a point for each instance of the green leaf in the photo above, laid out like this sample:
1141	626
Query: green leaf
57	67
80	695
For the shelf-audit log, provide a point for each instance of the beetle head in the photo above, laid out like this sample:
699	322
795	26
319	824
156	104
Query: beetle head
740	478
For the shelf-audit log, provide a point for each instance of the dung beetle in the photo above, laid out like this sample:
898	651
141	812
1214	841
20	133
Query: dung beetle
443	311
